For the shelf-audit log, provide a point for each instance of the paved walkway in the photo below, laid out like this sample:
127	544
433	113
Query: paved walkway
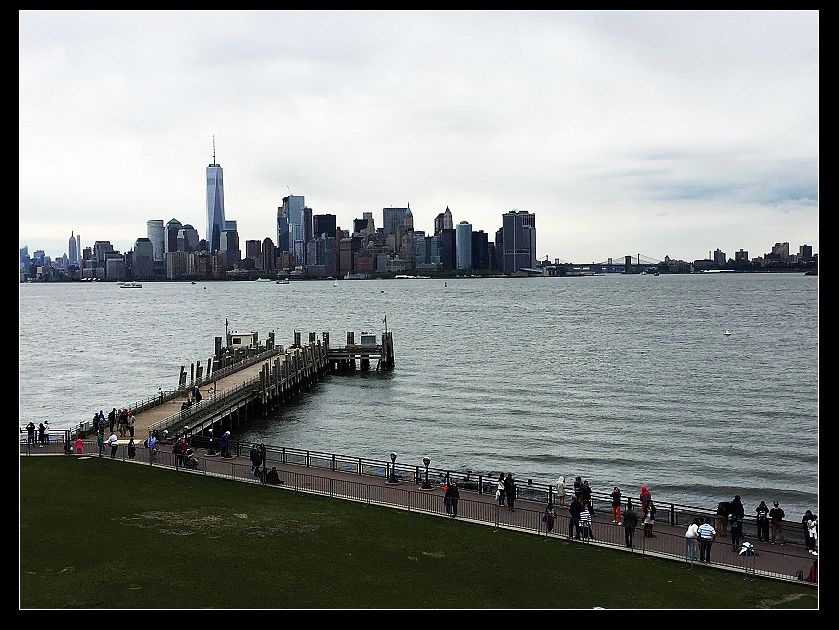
775	561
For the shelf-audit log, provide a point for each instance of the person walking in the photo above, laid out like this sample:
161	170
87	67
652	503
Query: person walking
776	520
454	497
549	517
692	541
630	522
616	505
263	457
151	443
100	441
762	521
113	441
500	492
707	533
78	446
560	491
510	491
132	448
574	524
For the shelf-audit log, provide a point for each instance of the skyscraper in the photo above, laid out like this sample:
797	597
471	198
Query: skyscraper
282	228
142	262
393	219
325	224
187	239
519	240
171	241
72	251
293	208
156	234
215	203
464	245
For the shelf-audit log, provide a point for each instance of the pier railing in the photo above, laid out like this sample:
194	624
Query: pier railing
773	564
231	369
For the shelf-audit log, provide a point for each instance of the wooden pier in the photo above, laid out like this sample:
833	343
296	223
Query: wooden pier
245	378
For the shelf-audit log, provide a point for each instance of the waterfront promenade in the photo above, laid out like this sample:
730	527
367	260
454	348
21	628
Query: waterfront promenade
781	562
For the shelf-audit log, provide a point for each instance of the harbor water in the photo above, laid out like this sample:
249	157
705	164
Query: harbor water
624	380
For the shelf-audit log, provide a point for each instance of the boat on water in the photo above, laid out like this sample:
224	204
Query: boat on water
130	285
263	280
334	283
726	332
193	282
283	281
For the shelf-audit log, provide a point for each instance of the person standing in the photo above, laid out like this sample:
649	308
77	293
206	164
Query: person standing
131	424
762	521
254	456
47	432
645	497
454	498
152	446
692	541
225	443
736	529
263	457
447	497
95	423
630	522
113	441
807	522
112	417
560	491
100	441
549	517
160	395
707	533
510	491
586	498
78	446
649	520
30	432
40	433
585	522
500	492
616	505
132	448
578	487
776	520
574	524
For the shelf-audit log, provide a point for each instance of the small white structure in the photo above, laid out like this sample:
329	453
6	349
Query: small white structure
243	339
367	339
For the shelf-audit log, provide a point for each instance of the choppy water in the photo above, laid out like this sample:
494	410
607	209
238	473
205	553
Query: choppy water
621	379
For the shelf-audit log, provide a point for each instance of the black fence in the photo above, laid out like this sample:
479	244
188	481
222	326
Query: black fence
774	564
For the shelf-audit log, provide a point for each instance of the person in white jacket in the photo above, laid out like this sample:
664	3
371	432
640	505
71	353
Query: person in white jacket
692	541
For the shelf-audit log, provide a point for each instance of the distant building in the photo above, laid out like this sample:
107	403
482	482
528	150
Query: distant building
229	247
448	249
156	233
463	245
359	225
171	242
805	253
142	261
293	208
100	248
253	248
187	239
719	257
72	251
177	265
480	250
215	204
115	266
519	240
307	224
393	219
324	224
282	229
269	255
782	250
741	256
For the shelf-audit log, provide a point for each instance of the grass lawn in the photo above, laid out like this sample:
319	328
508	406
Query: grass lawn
97	533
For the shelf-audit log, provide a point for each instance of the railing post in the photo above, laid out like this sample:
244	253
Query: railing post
238	448
672	514
307	459
333	463
497	511
359	466
283	454
480	484
331	492
416	475
205	466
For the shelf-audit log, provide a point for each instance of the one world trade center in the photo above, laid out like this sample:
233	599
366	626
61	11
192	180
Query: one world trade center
215	203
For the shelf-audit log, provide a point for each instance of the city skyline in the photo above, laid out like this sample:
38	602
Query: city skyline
659	133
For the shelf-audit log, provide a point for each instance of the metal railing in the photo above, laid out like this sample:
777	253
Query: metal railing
773	564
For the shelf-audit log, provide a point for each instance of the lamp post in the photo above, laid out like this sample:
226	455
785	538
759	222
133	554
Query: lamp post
392	478
425	484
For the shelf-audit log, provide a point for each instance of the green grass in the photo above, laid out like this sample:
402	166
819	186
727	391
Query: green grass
103	534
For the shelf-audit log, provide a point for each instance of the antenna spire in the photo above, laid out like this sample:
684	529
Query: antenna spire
214	148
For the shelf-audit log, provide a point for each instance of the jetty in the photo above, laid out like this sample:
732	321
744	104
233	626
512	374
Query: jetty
246	377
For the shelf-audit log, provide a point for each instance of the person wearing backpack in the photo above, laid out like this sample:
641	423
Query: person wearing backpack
776	519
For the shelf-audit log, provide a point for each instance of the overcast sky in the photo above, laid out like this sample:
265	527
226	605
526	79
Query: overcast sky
624	132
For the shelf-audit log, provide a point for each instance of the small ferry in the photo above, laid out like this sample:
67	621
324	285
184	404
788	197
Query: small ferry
283	281
726	332
130	285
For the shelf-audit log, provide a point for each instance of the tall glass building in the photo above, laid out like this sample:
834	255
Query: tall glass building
215	204
464	245
155	231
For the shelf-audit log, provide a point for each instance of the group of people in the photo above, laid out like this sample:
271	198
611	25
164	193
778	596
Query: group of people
506	491
451	495
121	421
257	456
43	431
